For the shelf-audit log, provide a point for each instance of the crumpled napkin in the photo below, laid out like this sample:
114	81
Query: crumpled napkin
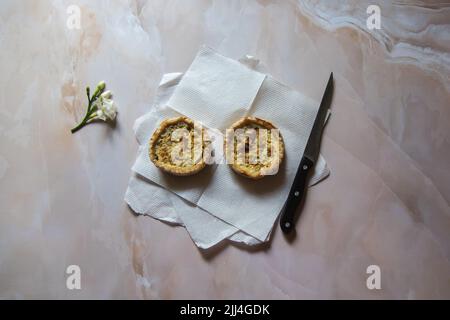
218	204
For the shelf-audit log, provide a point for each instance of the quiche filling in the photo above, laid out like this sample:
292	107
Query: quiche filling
258	148
178	146
247	153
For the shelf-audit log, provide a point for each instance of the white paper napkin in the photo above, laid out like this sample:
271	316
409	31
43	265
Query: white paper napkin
216	90
148	198
228	206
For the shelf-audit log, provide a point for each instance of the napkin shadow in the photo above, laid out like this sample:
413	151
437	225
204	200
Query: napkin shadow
210	253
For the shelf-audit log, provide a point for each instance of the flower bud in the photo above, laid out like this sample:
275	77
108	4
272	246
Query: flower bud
101	86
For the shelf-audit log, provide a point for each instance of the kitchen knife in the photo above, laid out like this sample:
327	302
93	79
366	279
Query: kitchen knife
307	163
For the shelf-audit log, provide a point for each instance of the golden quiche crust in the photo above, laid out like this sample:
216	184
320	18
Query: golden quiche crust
161	146
253	171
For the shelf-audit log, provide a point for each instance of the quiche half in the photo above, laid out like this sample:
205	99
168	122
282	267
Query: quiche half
251	151
178	147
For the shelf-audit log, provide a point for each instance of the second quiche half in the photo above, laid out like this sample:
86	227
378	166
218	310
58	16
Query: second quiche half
254	157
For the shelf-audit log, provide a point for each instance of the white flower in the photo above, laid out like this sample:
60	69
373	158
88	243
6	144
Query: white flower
101	106
106	109
100	115
109	108
107	94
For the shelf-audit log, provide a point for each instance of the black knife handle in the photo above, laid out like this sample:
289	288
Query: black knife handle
295	196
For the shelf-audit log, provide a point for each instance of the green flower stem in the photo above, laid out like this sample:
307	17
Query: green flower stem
79	126
90	111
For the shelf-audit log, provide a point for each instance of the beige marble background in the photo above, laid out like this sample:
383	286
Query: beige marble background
388	145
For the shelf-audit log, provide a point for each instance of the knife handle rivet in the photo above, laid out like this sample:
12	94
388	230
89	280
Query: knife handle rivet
296	193
305	167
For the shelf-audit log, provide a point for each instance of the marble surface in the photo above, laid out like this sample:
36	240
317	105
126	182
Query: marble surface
388	145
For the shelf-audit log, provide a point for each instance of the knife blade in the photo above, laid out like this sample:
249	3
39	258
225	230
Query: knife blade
308	161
